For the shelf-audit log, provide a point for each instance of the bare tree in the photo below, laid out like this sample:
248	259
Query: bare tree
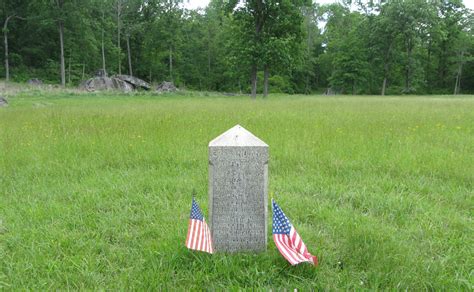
119	8
5	40
265	80
130	72
259	20
60	4
457	85
103	46
61	40
171	63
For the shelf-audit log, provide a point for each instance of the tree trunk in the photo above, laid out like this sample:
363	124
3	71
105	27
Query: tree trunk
103	48
309	49
171	64
258	28
457	85
408	67
428	68
458	88
69	70
385	73
83	71
442	71
209	62
61	41
209	53
265	81
384	85
119	10
407	78
254	81
130	72
209	82
5	35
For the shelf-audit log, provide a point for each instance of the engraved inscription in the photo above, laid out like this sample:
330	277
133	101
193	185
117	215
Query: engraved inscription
238	213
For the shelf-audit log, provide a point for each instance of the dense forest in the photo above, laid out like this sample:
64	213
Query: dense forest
252	46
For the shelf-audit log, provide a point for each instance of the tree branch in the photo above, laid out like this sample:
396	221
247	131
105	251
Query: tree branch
5	24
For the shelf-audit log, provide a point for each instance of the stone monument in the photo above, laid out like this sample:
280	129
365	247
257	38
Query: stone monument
238	193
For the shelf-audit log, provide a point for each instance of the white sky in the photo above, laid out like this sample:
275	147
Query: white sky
194	4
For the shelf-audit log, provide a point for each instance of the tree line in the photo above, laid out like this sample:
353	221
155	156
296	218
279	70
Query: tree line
252	46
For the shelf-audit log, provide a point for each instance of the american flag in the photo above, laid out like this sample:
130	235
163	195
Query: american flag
199	236
288	241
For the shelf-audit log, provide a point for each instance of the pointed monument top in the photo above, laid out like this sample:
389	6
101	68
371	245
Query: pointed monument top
237	136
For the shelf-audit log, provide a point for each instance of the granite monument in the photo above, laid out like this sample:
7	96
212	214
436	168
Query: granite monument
238	178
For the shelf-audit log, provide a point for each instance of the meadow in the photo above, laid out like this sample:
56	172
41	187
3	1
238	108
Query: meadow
95	190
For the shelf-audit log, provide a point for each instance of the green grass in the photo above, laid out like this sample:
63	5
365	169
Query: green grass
95	190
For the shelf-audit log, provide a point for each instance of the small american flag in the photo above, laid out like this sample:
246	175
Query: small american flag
288	241
199	236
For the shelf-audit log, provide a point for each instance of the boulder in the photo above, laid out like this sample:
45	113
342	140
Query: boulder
125	83
166	86
3	102
136	82
105	83
34	81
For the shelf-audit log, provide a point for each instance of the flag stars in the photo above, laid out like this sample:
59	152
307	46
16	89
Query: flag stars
281	224
196	212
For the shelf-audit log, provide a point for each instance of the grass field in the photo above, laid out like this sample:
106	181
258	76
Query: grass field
96	191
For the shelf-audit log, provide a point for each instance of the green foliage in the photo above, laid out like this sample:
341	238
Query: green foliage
277	84
280	84
349	55
411	46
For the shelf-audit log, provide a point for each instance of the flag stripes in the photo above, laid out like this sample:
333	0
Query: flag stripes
284	245
199	235
288	241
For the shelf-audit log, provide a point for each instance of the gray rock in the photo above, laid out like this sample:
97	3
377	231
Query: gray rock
134	81
238	177
166	86
3	102
35	81
105	83
100	73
